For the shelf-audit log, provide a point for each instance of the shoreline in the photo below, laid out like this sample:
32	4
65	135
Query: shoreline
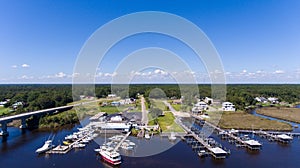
263	111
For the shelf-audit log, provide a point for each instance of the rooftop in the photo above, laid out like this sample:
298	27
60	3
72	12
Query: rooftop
252	142
283	136
217	150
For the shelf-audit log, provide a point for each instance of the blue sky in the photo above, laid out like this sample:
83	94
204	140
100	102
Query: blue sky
258	41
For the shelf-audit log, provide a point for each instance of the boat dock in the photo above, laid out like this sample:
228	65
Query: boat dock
60	149
120	143
202	143
233	138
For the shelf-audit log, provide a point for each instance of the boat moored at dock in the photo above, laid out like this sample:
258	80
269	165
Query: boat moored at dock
218	153
253	144
284	138
47	146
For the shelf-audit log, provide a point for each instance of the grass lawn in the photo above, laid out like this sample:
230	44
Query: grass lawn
167	123
284	113
177	107
4	111
109	109
242	120
158	104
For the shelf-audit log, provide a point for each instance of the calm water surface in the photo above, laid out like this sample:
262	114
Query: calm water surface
18	151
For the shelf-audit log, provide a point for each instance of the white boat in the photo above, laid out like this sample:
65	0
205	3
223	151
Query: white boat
47	146
147	136
126	146
85	141
172	137
111	157
69	137
78	145
131	143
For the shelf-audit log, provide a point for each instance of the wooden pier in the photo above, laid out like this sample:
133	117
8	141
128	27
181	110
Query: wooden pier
230	135
214	151
120	143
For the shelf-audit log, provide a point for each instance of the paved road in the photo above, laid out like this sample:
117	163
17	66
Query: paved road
144	112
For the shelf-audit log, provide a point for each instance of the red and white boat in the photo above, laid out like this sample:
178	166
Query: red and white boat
111	157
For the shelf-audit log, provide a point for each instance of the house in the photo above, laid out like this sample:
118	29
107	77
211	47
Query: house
261	99
17	104
227	106
202	105
115	103
116	118
82	97
273	100
177	101
3	103
208	100
197	110
111	96
127	101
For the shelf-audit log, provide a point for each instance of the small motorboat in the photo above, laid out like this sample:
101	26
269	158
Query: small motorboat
79	145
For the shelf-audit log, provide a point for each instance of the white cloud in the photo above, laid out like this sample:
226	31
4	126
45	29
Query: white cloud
159	71
60	75
25	66
110	74
26	77
244	71
14	66
279	72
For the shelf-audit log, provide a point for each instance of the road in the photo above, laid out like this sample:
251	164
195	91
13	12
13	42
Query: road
176	113
144	112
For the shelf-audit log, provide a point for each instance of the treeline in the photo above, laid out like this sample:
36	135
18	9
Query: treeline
37	97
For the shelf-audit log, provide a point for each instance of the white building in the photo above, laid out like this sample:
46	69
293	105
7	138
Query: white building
227	106
116	118
3	103
273	100
126	101
111	96
202	105
208	100
261	99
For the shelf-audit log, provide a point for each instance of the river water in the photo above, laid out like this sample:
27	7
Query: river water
295	130
18	151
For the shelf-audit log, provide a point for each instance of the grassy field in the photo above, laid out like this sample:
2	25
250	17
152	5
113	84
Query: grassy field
158	104
177	107
109	109
4	111
289	114
167	123
245	121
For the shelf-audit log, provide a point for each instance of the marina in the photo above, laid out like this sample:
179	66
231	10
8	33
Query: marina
192	157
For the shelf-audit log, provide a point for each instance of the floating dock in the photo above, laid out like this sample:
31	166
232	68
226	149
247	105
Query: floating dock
232	137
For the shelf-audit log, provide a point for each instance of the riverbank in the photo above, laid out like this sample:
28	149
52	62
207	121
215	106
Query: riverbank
58	120
245	121
283	113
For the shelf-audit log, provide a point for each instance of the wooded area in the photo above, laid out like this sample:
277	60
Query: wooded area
38	96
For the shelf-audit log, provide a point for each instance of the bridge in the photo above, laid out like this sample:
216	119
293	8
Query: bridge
5	120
